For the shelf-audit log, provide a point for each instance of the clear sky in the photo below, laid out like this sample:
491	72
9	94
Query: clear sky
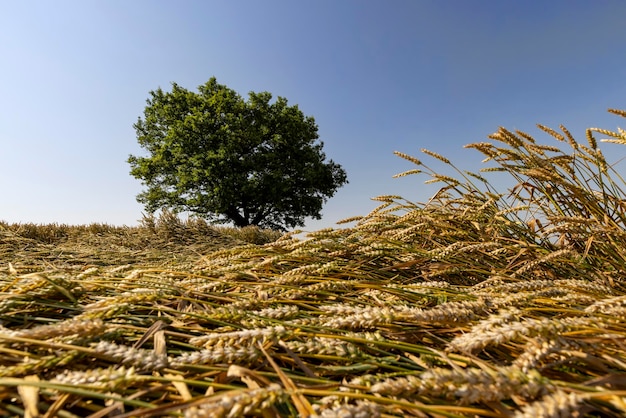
378	76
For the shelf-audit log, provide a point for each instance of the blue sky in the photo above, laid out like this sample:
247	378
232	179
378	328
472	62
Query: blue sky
378	76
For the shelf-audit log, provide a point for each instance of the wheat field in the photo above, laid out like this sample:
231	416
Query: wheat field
476	303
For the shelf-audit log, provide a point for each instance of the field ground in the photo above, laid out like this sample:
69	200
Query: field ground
476	303
161	241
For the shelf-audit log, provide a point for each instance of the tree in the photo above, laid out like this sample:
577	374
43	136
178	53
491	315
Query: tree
214	154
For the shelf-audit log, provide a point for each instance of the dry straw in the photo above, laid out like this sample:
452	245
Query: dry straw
477	302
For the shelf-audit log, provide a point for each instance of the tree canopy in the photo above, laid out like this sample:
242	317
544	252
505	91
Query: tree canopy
226	159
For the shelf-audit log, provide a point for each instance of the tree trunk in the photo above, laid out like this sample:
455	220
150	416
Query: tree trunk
233	214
